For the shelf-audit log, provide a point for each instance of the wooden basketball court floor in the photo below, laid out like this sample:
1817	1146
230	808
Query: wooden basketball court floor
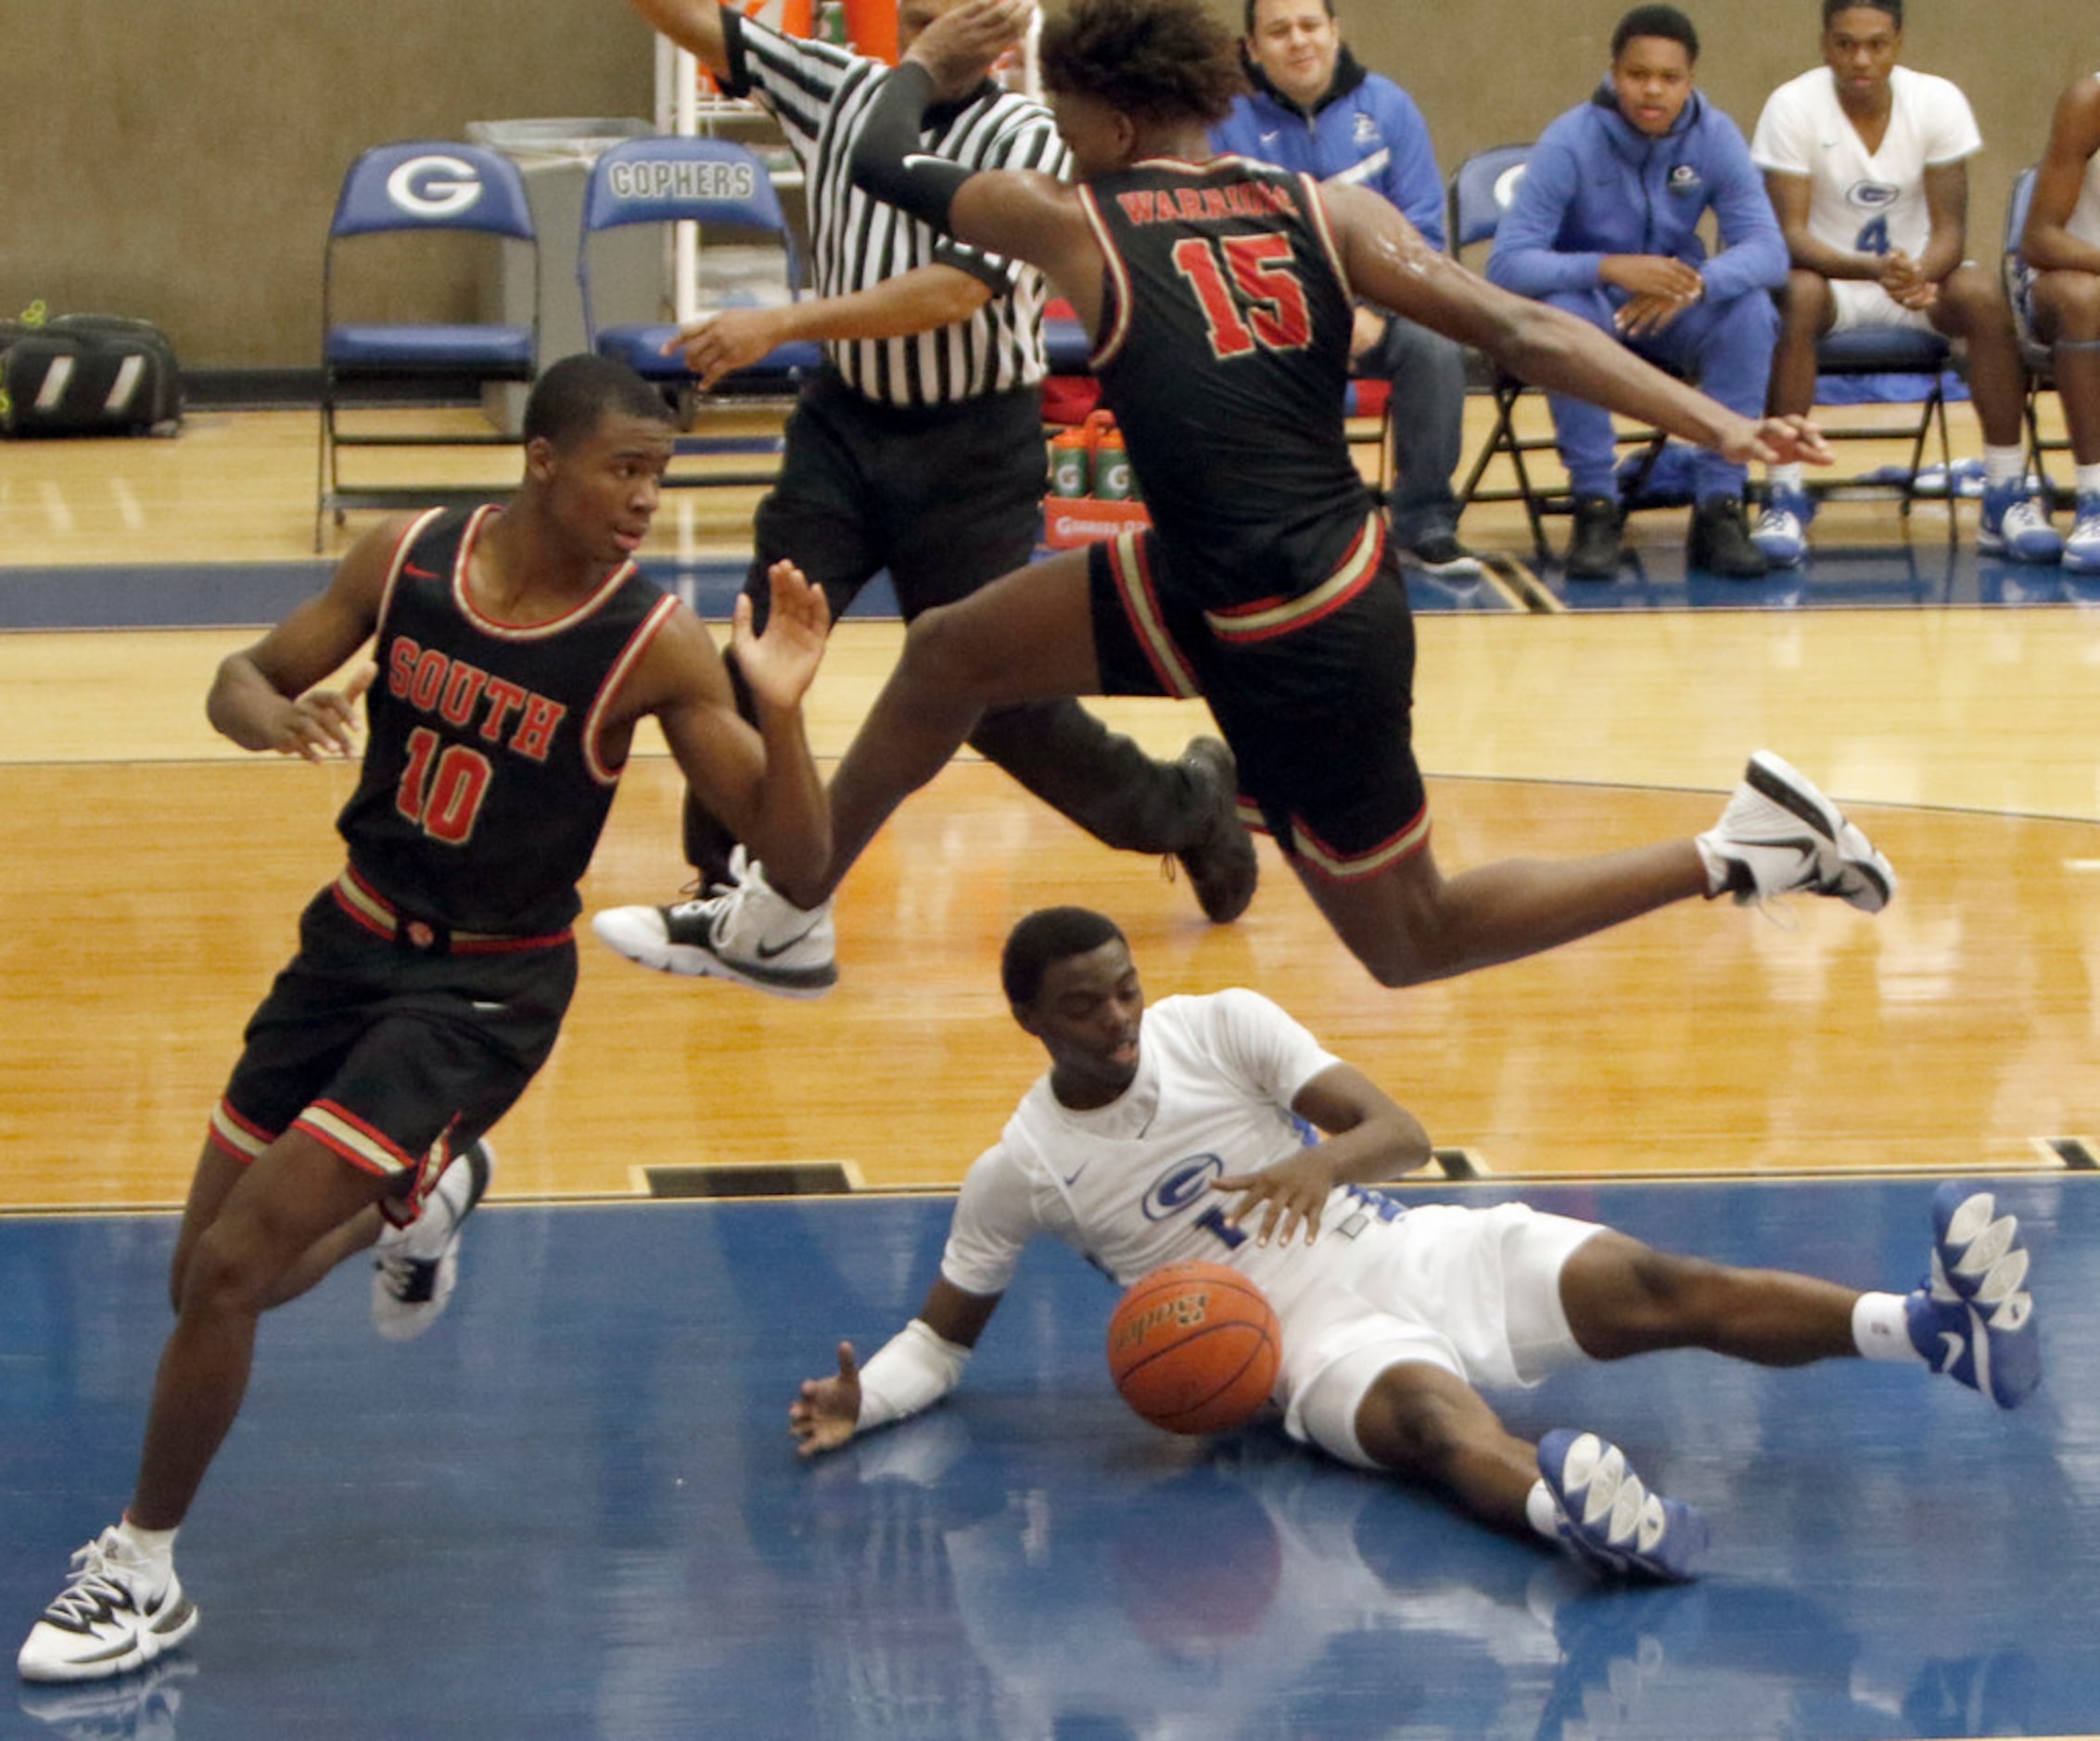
571	1510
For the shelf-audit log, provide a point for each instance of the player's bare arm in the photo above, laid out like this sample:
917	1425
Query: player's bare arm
922	301
267	696
2074	136
1388	263
693	25
760	779
1791	196
1369	1137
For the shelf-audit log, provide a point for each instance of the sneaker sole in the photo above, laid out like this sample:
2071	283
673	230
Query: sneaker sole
787	982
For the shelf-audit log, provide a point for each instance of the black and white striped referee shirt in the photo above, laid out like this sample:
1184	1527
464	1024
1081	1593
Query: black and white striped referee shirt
821	95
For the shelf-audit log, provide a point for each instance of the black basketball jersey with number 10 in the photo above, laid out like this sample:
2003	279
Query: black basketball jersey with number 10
1224	353
483	792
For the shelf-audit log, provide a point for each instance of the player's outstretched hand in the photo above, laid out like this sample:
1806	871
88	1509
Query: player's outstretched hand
781	662
323	722
1290	1195
959	47
1776	441
824	1411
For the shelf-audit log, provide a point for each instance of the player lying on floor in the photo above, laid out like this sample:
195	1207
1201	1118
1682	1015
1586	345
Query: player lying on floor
1219	1129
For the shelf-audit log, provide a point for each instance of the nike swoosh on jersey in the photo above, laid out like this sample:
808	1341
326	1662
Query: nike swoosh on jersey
419	574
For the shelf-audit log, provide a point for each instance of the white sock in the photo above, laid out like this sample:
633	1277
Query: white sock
1716	868
1542	1511
1881	1327
1778	477
2004	465
2088	482
152	1546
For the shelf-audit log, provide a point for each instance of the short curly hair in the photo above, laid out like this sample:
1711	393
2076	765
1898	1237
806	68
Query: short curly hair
1162	60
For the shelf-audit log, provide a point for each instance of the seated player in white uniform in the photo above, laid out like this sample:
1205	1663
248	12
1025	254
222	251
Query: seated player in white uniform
1217	1128
1868	166
2060	248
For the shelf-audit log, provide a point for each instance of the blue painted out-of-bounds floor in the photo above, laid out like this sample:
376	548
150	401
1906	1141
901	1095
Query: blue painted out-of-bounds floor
573	1510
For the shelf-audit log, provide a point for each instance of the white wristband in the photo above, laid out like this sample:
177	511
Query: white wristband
913	1368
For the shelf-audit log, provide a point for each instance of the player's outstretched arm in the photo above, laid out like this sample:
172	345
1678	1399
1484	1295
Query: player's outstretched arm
267	696
1389	263
1369	1137
911	1371
761	781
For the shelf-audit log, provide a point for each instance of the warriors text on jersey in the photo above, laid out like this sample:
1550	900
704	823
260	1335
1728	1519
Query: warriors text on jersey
484	791
1224	350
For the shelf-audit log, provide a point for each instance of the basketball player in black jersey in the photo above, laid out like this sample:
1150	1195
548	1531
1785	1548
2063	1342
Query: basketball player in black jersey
516	652
1219	294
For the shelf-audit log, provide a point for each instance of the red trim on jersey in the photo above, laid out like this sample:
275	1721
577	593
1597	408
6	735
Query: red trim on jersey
373	910
522	631
631	655
1354	866
350	1150
1118	324
1131	571
1263	619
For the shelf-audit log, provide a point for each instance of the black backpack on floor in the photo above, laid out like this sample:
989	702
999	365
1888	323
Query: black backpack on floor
88	374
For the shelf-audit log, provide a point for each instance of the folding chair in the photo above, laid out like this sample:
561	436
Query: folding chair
1887	350
718	185
431	187
1479	193
2039	362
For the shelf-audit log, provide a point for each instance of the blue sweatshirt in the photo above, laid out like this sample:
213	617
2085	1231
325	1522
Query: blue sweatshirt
1366	130
1596	184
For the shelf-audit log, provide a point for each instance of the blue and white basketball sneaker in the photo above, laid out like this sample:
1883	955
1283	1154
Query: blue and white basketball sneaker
1609	1520
2082	550
1974	1319
1781	531
2015	524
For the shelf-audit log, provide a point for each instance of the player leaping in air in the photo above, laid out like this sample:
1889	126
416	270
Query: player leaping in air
1219	292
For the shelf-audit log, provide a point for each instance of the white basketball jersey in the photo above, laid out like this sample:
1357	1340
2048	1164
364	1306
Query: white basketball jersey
1865	202
1129	1185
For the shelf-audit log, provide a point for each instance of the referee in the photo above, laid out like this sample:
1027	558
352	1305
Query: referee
919	446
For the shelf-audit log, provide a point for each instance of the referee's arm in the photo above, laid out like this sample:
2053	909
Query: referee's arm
921	300
693	25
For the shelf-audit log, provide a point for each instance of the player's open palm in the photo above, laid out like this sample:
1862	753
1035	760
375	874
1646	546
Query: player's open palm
781	662
1281	1200
824	1412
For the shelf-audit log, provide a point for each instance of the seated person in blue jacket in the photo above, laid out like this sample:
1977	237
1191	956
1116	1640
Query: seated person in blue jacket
1314	109
1604	223
1868	166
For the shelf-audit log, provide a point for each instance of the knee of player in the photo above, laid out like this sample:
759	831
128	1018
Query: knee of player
1407	1430
223	1274
941	652
1807	302
1972	291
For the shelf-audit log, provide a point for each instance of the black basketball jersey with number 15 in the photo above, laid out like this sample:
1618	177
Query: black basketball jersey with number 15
1224	353
483	792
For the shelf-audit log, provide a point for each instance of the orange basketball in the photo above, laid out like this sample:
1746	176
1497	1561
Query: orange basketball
1194	1347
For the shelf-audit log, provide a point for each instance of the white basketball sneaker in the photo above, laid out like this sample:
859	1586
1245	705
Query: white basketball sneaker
1780	833
751	934
116	1611
415	1268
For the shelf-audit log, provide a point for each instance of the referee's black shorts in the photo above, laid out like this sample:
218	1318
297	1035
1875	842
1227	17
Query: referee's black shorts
944	497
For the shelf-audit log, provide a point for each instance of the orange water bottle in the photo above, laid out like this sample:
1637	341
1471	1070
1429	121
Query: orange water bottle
1072	463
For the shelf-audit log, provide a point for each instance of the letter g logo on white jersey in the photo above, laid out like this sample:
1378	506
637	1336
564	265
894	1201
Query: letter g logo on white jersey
434	187
1180	1184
